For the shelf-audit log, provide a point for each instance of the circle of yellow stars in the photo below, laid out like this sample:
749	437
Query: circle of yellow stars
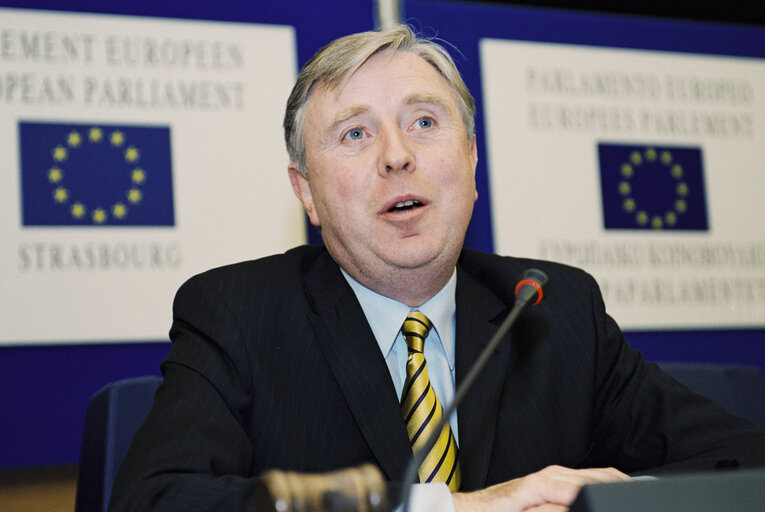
633	165
98	214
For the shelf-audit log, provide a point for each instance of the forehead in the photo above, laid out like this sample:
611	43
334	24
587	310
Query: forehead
385	78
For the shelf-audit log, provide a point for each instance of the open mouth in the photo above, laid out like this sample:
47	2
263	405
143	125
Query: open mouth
403	206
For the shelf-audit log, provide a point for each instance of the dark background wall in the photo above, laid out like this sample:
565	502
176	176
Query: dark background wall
736	11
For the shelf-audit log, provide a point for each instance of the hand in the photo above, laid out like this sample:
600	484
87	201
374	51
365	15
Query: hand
552	489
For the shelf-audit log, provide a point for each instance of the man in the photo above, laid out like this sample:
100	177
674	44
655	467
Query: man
298	361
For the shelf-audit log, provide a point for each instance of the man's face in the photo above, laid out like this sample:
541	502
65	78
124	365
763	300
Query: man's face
391	174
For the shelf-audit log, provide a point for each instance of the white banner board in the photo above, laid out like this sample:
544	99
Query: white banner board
136	152
645	168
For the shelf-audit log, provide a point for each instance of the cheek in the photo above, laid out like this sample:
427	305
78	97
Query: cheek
459	180
342	197
461	184
346	186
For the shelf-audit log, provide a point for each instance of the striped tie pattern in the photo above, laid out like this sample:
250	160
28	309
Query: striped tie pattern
422	410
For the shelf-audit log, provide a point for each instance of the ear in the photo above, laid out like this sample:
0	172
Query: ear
302	189
474	160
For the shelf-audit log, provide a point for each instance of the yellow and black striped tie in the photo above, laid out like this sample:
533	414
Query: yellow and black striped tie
422	410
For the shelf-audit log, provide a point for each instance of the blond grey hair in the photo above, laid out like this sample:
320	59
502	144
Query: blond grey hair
333	65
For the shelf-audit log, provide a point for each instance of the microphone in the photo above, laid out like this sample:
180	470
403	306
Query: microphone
530	289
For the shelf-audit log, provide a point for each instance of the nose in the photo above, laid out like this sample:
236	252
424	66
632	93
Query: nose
396	152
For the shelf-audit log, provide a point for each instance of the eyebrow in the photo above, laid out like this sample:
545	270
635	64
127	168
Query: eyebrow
343	117
432	99
412	99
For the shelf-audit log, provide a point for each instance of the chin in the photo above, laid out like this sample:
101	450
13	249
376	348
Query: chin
413	257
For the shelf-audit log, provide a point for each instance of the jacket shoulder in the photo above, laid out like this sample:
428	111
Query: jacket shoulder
268	276
501	273
289	262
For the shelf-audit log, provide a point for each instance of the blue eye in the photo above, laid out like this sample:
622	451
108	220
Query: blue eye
424	122
354	134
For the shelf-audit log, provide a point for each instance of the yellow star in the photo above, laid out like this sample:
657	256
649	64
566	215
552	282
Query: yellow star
119	210
650	154
677	171
641	217
656	222
624	188
59	153
131	154
134	195
61	195
682	189
78	210
666	157
55	175
671	218
95	134
138	176
680	206
74	139
636	158
117	138
629	205
627	170
99	216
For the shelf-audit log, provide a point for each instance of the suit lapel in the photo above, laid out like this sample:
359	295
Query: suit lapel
479	314
358	366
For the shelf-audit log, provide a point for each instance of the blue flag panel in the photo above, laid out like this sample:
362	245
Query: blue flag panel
95	175
652	187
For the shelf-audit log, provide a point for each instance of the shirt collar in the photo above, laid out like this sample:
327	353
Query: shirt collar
386	316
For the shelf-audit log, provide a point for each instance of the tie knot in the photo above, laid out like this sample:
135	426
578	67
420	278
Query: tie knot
415	330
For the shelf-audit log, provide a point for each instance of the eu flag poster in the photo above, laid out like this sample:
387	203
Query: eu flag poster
651	187
95	175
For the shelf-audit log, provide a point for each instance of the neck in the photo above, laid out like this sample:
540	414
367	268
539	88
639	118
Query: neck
410	286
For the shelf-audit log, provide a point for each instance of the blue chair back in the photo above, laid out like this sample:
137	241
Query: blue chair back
113	415
738	388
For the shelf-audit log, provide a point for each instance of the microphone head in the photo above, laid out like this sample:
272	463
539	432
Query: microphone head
530	287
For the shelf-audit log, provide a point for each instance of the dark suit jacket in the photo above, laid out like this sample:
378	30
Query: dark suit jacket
273	365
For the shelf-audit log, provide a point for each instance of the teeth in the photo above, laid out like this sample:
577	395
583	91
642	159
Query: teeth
405	205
